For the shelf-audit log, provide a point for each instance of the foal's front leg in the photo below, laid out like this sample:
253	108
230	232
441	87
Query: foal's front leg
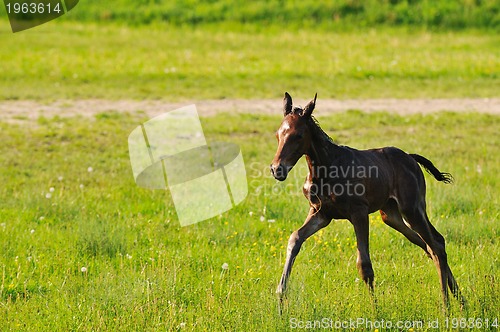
314	222
363	261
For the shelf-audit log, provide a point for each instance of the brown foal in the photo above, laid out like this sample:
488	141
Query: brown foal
345	183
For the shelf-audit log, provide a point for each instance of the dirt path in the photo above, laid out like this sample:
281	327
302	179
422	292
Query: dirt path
19	110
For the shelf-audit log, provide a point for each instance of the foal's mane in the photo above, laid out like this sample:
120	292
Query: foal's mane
316	128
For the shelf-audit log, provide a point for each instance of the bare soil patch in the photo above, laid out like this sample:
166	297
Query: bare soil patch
27	109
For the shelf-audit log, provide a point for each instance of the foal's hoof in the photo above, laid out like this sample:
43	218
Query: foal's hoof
464	306
280	292
281	298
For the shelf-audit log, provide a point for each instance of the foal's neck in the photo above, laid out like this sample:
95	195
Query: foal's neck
322	151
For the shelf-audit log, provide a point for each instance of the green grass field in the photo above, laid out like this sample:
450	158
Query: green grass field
327	14
112	61
145	272
84	249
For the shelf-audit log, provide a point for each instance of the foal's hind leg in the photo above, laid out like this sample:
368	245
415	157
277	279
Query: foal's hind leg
419	222
392	217
452	283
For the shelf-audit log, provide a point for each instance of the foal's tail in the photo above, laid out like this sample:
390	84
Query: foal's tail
430	168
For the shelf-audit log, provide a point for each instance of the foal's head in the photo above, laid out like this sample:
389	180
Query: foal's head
294	137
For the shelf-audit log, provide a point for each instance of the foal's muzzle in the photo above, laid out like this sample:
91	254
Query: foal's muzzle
279	171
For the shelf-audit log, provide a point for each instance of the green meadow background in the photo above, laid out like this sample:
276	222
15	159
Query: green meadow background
82	248
461	14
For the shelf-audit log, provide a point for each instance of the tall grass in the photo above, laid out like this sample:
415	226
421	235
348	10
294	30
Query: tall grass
338	14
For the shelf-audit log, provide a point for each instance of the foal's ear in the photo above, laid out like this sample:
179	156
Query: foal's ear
287	104
310	107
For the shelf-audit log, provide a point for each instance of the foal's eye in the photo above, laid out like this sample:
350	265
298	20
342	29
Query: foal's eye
298	136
